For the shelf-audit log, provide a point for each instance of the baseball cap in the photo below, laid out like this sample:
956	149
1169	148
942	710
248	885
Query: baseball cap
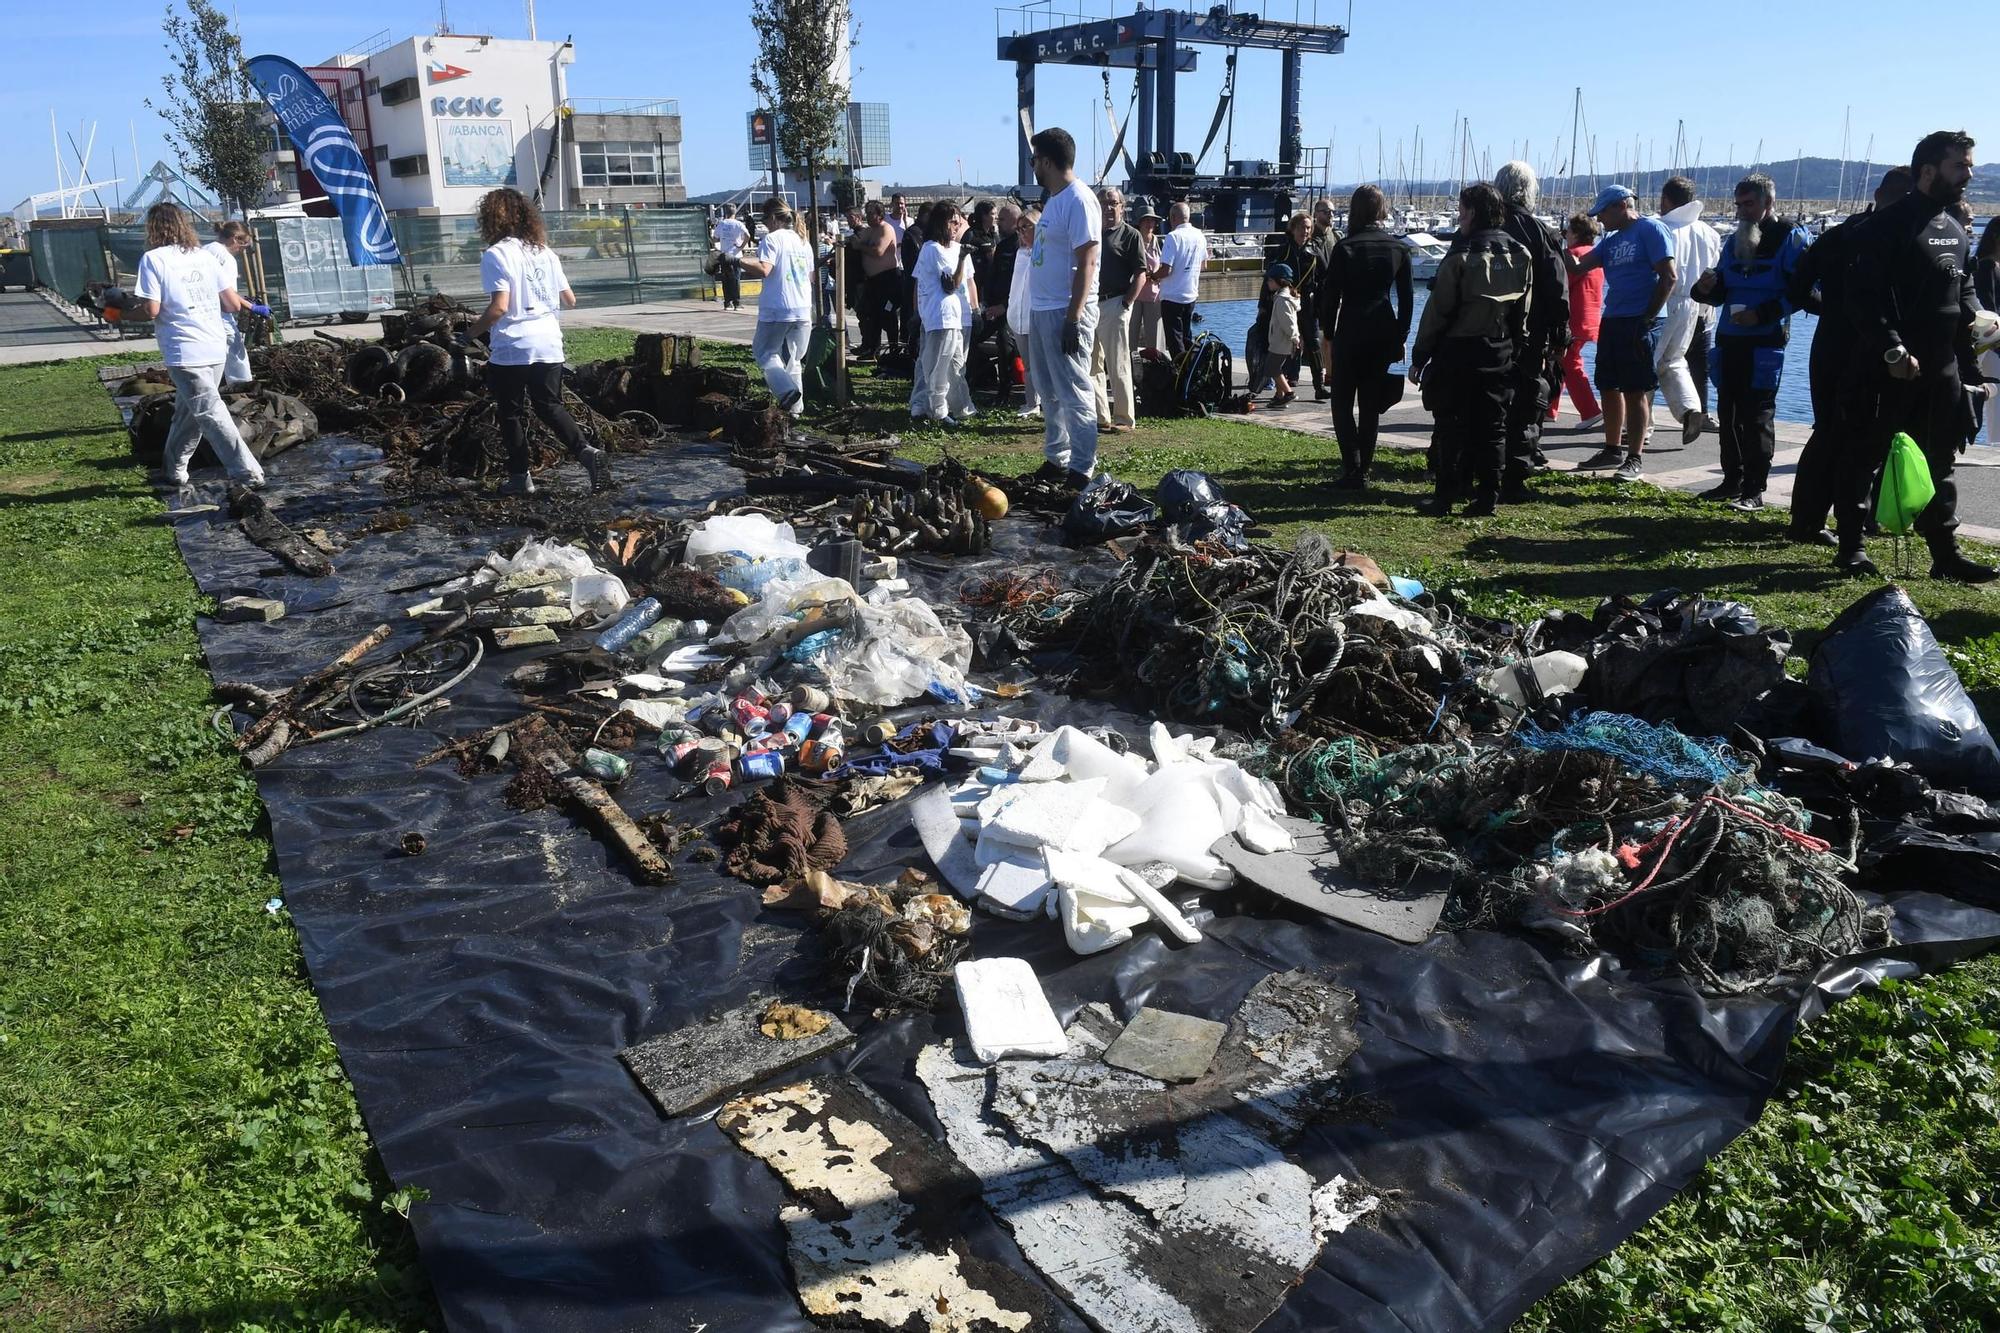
1608	196
1281	271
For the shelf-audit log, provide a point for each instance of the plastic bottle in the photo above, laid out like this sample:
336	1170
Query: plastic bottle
627	627
1554	673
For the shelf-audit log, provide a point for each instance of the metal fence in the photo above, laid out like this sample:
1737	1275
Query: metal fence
616	256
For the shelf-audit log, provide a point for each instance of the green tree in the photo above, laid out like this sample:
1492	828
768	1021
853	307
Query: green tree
800	74
216	121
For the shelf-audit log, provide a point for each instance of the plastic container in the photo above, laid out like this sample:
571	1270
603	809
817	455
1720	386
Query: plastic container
1553	673
628	626
1407	589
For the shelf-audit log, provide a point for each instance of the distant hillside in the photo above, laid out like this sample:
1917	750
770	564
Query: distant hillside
1814	178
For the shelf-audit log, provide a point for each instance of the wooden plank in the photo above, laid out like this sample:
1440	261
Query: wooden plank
269	531
539	743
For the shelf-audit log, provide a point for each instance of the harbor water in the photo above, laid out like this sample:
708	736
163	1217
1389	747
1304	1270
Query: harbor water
1230	321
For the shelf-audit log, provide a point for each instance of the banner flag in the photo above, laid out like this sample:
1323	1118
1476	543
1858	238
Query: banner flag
314	125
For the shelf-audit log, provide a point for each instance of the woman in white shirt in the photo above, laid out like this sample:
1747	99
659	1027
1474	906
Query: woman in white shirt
946	295
187	299
1018	309
232	238
524	283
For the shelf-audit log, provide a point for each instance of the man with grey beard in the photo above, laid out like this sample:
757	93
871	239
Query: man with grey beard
1749	284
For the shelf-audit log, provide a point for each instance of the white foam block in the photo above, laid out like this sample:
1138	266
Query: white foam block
1005	1010
1015	887
940	831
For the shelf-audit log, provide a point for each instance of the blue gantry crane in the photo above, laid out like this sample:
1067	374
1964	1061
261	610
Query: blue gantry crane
1159	45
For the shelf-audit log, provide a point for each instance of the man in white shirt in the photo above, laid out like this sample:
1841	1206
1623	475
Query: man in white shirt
1062	299
730	238
1182	255
784	308
1697	249
231	240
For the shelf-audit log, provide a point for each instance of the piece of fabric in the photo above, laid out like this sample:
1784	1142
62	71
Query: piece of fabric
1581	395
942	381
940	303
1071	219
200	413
1177	319
1483	289
1586	299
779	349
1119	256
1185	250
1111	363
1282	332
1468	388
1748	410
190	327
1356	408
532	276
1628	259
1062	383
786	297
1367	296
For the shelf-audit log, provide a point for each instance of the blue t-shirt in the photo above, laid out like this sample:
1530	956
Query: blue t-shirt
1629	257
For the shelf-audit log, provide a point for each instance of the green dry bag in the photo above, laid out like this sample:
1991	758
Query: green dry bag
1906	486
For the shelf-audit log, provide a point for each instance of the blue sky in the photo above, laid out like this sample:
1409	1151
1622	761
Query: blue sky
1641	67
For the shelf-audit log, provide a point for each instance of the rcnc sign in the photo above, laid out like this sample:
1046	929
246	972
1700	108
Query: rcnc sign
465	106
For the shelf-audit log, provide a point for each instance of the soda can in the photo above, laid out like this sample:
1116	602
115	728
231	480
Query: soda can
820	757
831	732
800	726
746	710
810	699
762	764
779	713
681	755
716	781
880	730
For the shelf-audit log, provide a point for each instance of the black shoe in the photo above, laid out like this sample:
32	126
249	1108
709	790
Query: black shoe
1538	461
1811	537
518	484
1959	568
1748	504
1516	493
1435	507
1076	481
598	466
1728	490
1050	473
1856	564
1350	481
1481	507
1603	458
1320	395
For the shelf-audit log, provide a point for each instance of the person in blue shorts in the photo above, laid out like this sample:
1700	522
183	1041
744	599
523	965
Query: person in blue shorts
1637	256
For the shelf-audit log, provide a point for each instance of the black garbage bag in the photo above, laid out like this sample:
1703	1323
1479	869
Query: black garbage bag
1194	504
1701	665
1883	689
1104	509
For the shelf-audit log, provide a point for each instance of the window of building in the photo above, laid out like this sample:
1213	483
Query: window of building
402	90
374	87
417	164
381	152
630	163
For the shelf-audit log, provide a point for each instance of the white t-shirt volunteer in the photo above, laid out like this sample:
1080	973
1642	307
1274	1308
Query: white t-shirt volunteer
787	294
1187	250
937	306
224	260
191	329
1071	218
529	333
731	236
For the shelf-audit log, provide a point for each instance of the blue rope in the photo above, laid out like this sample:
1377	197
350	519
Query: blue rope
1659	752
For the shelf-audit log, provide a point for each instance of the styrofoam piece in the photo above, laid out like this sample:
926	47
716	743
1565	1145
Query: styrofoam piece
1381	608
689	658
1261	832
1163	911
1098	907
944	842
1167	747
1039	814
1005	1010
655	712
1085	758
1101	825
1015	887
1182	821
1260	792
652	684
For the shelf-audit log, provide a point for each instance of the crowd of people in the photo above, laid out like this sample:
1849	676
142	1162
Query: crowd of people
1061	297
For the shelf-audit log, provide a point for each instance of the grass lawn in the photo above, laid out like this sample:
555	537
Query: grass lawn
186	1152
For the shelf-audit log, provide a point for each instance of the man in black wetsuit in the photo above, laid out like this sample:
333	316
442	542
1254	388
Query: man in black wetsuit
1912	303
1819	285
1537	365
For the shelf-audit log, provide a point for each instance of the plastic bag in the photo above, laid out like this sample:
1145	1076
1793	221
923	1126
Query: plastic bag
784	602
1104	509
753	536
598	595
1192	501
1906	486
1882	688
538	555
895	651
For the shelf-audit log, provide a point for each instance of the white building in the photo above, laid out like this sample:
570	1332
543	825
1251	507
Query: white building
446	118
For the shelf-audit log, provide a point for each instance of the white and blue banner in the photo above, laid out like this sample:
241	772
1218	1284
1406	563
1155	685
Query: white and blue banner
314	125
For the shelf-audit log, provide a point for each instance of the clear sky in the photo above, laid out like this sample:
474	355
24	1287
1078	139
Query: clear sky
1508	69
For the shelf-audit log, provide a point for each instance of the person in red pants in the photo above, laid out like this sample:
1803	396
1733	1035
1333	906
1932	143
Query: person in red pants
1586	307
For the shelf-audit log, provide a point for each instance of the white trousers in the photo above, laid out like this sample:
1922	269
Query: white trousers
1111	363
1069	416
939	389
1683	316
779	349
199	413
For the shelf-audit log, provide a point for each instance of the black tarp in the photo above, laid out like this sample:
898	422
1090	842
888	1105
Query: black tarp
1528	1109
